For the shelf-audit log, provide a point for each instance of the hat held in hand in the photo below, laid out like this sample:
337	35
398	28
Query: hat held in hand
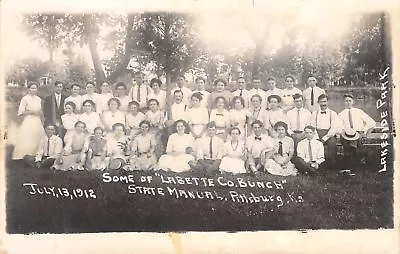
350	134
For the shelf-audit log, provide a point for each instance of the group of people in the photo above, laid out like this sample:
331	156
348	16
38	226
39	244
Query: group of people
279	131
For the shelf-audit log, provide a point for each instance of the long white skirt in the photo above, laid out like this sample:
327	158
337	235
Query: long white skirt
178	163
29	136
275	169
233	165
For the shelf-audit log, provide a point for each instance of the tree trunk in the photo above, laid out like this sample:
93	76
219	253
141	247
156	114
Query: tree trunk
92	43
129	42
98	67
168	70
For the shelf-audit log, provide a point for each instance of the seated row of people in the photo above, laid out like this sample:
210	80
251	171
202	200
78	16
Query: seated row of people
208	154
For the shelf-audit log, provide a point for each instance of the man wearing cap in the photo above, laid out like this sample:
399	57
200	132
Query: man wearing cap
326	123
272	89
209	151
298	118
140	90
243	92
257	89
310	153
356	125
180	86
312	93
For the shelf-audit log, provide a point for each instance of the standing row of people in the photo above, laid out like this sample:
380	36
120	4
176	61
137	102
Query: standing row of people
135	125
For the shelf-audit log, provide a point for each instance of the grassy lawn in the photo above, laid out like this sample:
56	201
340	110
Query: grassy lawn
330	201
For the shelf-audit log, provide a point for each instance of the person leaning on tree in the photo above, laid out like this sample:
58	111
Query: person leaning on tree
354	122
327	125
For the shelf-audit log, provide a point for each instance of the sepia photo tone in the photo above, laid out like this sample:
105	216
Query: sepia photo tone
190	121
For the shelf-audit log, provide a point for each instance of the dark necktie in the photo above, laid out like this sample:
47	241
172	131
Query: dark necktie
211	150
280	149
138	93
48	147
241	92
350	119
298	120
312	96
323	112
257	138
310	151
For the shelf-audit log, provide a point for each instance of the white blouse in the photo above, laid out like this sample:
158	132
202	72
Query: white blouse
77	100
134	121
92	120
179	143
197	116
29	102
221	119
69	121
110	118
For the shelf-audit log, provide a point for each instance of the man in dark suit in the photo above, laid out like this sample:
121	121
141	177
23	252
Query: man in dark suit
53	108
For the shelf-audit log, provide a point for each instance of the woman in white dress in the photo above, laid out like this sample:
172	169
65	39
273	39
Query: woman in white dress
200	88
275	114
69	119
179	150
157	93
89	116
75	97
93	96
105	95
234	154
156	119
197	116
133	118
221	117
279	162
31	130
142	149
113	115
74	143
238	115
120	94
288	92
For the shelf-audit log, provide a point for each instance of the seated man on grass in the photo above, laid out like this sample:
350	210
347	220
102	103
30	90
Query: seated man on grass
208	151
50	150
310	153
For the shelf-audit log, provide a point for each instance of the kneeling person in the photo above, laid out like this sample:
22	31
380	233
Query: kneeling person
310	152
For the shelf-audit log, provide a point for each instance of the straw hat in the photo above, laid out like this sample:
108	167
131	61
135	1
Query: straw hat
350	134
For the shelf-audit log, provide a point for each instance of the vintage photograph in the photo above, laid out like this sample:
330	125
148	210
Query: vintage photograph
219	120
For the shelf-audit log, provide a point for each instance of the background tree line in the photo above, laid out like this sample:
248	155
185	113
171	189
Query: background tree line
170	43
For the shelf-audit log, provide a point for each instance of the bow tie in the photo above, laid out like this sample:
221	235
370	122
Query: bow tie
218	114
257	138
323	112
